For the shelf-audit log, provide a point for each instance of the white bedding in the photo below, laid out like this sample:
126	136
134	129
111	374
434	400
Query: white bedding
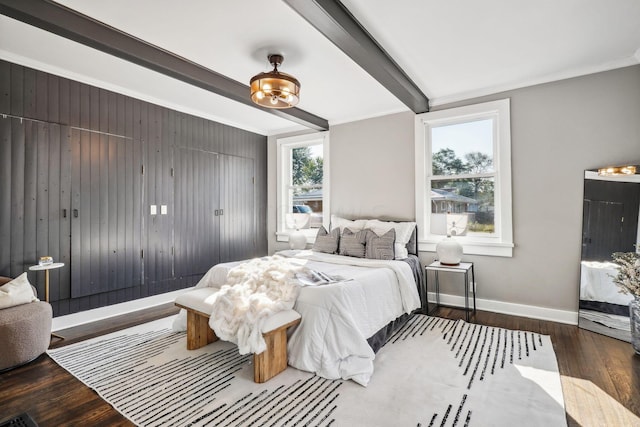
596	283
254	291
337	319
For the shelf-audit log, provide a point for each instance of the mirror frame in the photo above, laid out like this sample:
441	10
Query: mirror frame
601	308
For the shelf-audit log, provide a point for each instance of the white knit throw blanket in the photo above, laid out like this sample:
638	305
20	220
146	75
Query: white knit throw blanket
254	291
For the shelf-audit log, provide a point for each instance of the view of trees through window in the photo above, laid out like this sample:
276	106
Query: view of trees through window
306	178
463	178
306	167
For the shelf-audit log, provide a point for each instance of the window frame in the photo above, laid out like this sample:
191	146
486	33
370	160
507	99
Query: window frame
284	147
499	243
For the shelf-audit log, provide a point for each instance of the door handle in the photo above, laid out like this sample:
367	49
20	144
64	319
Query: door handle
64	213
216	212
221	212
75	213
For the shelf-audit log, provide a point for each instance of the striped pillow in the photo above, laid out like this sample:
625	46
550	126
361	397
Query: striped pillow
327	242
404	230
381	247
353	244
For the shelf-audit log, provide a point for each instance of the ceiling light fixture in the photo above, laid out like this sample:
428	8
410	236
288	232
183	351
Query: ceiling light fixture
618	170
275	89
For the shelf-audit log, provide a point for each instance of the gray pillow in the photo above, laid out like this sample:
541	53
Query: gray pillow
381	247
327	242
353	244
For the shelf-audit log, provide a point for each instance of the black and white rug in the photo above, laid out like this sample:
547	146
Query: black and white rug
434	372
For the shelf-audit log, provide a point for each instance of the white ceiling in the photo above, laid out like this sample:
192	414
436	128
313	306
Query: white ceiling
452	50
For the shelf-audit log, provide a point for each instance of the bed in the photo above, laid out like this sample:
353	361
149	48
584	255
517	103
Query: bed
597	290
345	323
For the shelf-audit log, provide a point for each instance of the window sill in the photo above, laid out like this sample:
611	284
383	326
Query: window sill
500	249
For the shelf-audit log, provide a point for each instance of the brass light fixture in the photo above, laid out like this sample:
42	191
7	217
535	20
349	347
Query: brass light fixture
617	170
275	89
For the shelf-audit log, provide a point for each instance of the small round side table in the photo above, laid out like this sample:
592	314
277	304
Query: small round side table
46	268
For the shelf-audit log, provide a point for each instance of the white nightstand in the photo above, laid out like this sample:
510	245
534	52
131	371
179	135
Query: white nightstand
463	267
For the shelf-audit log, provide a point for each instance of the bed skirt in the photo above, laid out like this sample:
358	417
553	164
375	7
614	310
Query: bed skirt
382	336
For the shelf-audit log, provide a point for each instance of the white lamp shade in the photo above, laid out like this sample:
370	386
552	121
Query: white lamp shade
297	221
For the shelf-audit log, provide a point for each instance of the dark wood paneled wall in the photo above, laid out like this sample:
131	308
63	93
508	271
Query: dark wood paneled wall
610	218
80	167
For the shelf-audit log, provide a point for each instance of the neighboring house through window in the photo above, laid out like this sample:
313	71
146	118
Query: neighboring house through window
303	184
463	178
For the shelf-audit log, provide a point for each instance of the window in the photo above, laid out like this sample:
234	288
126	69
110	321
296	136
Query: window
303	184
463	178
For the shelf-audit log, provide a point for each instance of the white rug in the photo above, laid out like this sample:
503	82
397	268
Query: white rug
434	372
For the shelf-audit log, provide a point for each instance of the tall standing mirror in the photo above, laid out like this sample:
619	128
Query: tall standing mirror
610	217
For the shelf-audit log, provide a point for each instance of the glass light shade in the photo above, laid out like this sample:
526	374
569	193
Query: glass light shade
617	170
275	90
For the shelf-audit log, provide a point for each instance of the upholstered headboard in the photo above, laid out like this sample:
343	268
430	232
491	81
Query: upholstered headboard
412	244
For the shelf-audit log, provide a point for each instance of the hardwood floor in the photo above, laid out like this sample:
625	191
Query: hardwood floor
54	397
600	375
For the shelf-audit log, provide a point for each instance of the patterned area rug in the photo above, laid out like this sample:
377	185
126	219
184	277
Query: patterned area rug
434	372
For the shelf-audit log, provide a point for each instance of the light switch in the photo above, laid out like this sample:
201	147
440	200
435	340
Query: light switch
154	210
163	209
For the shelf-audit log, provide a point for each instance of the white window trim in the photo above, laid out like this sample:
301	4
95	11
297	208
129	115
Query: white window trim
284	145
500	244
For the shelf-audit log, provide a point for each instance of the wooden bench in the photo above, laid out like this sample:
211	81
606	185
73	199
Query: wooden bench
267	364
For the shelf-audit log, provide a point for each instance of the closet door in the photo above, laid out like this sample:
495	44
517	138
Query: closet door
237	200
603	225
196	212
35	183
106	208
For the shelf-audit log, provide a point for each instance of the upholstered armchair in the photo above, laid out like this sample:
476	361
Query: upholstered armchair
25	331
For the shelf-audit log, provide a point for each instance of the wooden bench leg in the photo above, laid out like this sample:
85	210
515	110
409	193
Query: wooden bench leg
199	333
273	360
266	365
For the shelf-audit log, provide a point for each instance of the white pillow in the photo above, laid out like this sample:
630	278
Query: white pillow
16	292
403	233
337	222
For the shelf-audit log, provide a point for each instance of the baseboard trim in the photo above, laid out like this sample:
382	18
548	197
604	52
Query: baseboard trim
513	309
88	316
534	312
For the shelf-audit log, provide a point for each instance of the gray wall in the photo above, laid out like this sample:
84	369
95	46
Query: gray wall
557	130
372	168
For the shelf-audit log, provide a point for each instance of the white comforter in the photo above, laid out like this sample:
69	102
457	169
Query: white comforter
337	319
596	283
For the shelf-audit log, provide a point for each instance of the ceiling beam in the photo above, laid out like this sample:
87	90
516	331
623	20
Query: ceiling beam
68	23
336	23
